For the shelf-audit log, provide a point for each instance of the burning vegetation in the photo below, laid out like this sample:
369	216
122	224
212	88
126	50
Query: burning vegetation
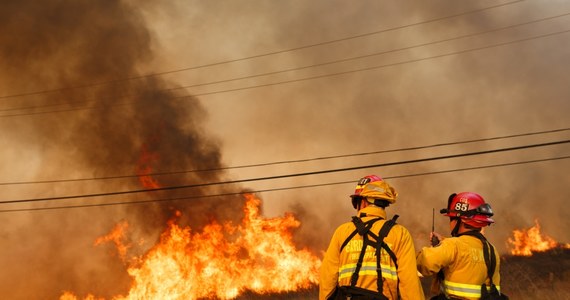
537	267
220	262
525	242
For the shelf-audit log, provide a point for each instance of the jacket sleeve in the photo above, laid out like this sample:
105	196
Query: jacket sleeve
329	268
410	285
432	259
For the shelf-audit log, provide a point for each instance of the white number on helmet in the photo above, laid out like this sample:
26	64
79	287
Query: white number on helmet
461	206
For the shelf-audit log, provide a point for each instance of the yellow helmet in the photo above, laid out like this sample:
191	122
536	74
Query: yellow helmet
379	190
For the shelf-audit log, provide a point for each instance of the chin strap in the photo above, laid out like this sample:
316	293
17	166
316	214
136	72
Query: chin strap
455	230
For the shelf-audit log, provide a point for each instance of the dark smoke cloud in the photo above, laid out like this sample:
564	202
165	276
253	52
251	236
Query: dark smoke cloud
88	48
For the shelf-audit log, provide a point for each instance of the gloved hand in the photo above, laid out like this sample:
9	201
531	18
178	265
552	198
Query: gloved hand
435	238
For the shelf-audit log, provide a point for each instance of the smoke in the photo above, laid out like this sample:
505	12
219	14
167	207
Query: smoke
493	91
110	126
78	54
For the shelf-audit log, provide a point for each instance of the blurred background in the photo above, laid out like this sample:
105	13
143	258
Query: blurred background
293	101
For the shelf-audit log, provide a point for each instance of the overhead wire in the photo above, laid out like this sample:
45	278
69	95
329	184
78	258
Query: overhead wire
284	70
376	53
274	189
263	54
294	160
271	163
370	68
177	187
381	66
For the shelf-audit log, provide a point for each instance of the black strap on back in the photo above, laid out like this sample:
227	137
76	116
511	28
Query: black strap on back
363	229
488	253
368	225
491	263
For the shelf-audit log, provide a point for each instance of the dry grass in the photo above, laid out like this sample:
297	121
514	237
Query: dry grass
542	276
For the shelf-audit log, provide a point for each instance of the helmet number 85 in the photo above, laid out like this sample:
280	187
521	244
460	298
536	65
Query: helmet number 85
461	206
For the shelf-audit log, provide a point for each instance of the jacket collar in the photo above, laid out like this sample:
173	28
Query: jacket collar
373	211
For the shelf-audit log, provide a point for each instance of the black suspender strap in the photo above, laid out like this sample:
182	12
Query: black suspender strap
354	277
380	244
488	254
363	229
348	239
490	292
383	234
490	259
359	224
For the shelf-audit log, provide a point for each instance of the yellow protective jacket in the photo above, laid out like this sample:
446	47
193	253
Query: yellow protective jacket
398	240
463	264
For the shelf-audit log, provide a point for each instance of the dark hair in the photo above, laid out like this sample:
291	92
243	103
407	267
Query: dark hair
471	227
455	230
378	202
381	203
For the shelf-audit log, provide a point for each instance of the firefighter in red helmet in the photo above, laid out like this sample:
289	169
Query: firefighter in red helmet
466	266
371	257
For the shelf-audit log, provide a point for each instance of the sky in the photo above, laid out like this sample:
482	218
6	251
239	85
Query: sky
114	89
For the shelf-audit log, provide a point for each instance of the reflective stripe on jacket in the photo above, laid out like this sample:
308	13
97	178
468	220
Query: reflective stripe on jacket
337	268
468	291
367	269
463	264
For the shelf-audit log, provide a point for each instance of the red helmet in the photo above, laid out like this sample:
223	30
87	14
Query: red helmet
470	208
362	182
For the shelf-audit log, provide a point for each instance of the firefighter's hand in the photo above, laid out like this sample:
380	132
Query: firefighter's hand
435	238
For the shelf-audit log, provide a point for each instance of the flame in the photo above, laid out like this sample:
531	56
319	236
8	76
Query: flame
117	235
144	168
69	296
221	261
525	242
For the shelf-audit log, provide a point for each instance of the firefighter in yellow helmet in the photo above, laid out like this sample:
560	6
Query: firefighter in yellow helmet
466	266
370	257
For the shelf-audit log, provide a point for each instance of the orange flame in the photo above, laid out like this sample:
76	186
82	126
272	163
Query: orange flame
70	296
144	168
116	236
222	261
525	242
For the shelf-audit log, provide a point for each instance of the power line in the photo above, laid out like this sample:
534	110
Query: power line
260	55
375	53
294	161
382	66
277	189
305	67
290	175
313	77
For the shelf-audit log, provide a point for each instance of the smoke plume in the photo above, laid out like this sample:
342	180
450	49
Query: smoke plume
84	58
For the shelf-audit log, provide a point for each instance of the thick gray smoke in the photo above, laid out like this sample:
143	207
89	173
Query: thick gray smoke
79	53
